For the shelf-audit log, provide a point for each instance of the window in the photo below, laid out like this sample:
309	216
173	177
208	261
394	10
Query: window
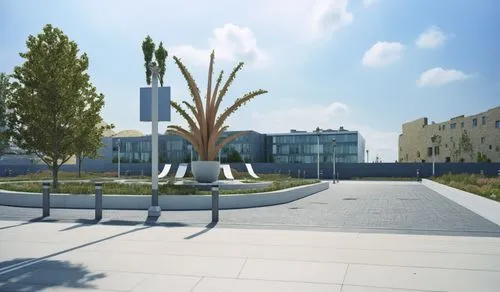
436	150
482	140
429	151
474	123
453	126
483	120
461	124
497	124
491	147
498	148
418	153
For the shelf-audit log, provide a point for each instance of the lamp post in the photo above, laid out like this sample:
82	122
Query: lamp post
119	142
367	156
334	144
154	210
318	132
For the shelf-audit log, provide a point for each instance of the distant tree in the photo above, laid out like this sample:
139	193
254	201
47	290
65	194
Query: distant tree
455	151
465	145
233	156
51	99
481	158
161	57
89	140
148	48
4	134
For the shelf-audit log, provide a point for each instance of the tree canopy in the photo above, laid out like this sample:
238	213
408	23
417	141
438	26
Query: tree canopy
54	108
4	134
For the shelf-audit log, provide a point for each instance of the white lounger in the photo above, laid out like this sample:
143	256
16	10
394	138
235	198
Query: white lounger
250	170
226	168
165	171
181	171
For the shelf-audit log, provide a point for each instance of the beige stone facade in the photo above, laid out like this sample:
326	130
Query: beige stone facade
483	129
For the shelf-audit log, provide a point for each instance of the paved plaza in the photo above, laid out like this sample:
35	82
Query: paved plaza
354	237
387	207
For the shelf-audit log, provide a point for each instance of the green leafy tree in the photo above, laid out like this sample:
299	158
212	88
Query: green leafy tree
455	150
89	140
4	134
233	156
481	157
51	98
148	48
465	145
205	125
161	57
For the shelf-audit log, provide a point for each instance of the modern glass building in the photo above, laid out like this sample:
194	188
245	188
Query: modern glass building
293	147
302	147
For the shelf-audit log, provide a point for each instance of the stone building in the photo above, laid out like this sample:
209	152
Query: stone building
460	139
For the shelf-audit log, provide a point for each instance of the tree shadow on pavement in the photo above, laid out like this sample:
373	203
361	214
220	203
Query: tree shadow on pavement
18	275
150	221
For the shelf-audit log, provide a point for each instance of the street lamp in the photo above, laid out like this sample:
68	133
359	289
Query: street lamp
436	139
334	143
154	210
318	132
119	158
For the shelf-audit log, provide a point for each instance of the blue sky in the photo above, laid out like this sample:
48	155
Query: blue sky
369	65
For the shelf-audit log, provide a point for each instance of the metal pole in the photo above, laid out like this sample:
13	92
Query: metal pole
215	203
334	172
318	158
433	161
155	209
46	199
98	201
219	156
119	149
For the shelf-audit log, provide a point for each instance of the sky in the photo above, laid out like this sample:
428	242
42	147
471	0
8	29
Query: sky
367	65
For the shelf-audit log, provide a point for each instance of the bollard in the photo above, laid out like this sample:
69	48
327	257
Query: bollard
98	201
46	199
215	203
298	173
418	175
304	174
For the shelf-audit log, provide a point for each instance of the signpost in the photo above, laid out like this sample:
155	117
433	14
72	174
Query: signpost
149	111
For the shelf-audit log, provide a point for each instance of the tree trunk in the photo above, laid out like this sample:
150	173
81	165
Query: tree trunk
55	177
80	166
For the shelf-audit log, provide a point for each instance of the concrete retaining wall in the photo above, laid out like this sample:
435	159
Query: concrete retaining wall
486	208
170	202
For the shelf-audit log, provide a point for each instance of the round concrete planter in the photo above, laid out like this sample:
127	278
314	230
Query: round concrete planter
205	171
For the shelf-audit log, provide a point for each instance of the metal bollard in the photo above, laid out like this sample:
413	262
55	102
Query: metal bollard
418	175
46	199
98	201
298	173
215	203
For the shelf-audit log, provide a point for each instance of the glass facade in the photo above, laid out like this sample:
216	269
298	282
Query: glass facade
252	147
303	147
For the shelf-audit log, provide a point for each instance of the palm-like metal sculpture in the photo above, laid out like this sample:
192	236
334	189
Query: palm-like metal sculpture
205	125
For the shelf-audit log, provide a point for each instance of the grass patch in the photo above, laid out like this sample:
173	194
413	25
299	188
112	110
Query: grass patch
473	183
47	175
145	189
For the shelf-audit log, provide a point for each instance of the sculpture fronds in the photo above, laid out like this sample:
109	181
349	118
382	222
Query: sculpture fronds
206	127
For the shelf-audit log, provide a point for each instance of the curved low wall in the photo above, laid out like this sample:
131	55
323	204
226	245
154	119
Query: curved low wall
170	202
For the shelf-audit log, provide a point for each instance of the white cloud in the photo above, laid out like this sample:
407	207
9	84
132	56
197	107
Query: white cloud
439	76
368	3
329	16
383	53
230	42
431	38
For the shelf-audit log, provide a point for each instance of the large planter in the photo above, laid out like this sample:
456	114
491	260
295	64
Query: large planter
205	171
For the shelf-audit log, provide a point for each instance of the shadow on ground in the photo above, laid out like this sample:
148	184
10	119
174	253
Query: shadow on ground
44	274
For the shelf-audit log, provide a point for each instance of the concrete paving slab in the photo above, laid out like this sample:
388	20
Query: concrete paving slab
295	271
422	278
155	283
349	288
231	285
